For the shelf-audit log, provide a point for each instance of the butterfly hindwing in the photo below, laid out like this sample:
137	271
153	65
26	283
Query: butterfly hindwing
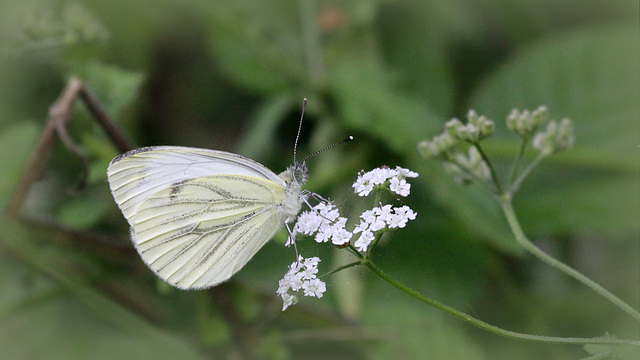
203	232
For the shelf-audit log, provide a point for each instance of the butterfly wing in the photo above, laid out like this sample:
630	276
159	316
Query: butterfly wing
197	216
137	174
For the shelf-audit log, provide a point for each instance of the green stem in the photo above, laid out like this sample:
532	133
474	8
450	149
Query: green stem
516	161
488	327
494	176
340	268
475	177
521	238
515	185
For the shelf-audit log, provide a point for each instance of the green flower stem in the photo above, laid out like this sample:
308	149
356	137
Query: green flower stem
488	327
340	268
475	177
515	185
516	161
521	238
494	176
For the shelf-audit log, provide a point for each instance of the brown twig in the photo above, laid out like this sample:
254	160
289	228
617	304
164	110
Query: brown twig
59	116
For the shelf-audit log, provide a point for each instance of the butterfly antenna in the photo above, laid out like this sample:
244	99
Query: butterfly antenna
349	138
295	145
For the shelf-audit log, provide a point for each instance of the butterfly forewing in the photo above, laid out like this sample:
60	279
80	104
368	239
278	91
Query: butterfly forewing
136	175
197	216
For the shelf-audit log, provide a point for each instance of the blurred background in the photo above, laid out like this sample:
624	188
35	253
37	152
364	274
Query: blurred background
231	75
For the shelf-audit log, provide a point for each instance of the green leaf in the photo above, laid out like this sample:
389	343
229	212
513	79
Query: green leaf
16	143
369	102
592	77
115	87
261	54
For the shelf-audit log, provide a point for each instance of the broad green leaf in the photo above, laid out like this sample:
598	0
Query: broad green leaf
591	76
369	103
412	48
114	86
256	52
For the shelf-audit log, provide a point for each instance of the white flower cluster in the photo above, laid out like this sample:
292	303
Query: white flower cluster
325	224
397	183
301	276
379	218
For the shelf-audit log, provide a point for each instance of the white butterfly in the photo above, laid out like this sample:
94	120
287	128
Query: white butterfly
198	216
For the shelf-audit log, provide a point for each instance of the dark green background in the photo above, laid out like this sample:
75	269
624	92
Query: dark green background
231	75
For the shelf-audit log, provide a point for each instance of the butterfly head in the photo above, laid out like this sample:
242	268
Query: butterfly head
296	173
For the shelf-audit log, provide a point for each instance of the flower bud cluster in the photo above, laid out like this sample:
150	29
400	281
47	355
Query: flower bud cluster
525	123
556	137
440	146
443	145
476	128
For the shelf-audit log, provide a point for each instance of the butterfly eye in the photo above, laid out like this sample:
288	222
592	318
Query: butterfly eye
300	172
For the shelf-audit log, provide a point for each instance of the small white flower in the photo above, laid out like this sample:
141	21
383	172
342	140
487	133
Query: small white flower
406	212
296	281
309	273
399	186
341	237
314	287
312	262
384	213
378	224
406	173
361	227
287	300
308	223
380	175
369	216
283	286
397	221
364	240
301	276
363	187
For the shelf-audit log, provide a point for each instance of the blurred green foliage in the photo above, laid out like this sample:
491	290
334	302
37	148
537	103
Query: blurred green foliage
231	75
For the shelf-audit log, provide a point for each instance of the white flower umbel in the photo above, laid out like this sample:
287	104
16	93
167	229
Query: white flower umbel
324	223
301	276
378	177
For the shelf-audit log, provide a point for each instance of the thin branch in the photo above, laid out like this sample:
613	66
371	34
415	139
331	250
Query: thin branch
57	120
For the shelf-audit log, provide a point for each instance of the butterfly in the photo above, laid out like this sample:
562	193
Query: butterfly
197	216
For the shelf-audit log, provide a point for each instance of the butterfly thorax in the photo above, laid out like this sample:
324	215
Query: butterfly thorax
294	177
